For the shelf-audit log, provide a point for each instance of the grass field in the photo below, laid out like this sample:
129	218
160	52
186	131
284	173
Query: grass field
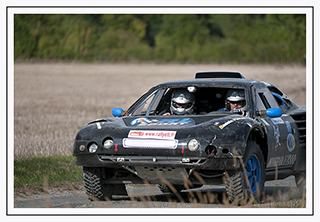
53	101
33	171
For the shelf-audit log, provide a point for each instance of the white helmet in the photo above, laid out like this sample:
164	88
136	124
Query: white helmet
182	102
235	95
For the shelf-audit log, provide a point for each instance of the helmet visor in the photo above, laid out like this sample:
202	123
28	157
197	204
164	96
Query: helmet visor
181	105
242	102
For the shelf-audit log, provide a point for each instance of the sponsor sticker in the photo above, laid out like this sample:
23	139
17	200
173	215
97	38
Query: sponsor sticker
149	143
160	122
277	120
291	143
282	160
228	122
288	127
138	120
276	136
152	134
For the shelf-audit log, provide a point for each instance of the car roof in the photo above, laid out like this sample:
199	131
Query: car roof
214	81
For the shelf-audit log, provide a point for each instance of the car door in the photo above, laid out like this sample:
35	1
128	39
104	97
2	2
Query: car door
280	136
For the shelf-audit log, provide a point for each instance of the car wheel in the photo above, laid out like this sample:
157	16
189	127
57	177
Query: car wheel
249	180
95	189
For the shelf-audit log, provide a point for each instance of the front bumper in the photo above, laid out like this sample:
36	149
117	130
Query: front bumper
224	163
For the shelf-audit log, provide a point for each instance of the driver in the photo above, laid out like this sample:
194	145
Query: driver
182	103
235	100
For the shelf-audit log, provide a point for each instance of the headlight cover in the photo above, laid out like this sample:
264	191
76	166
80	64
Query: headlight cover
108	143
193	145
93	148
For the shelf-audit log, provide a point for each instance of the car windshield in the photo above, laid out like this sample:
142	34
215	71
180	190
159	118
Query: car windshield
206	100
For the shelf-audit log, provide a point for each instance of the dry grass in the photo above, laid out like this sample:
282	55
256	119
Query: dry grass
52	101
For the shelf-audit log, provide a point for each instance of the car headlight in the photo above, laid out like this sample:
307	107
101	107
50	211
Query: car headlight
193	145
108	143
93	148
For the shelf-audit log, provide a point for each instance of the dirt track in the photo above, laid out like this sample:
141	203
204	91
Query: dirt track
278	194
52	101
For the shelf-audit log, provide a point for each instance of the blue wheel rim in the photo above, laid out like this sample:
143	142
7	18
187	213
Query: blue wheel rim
253	170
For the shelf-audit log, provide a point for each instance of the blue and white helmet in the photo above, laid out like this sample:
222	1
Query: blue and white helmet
235	95
182	102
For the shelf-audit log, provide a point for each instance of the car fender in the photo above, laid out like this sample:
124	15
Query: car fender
236	132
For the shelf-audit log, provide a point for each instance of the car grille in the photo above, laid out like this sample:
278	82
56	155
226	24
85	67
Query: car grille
300	120
159	159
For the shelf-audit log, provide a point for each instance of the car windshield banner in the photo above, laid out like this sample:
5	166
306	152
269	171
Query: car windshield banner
144	121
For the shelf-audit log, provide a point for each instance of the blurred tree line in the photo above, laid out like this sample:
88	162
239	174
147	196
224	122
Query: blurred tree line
183	38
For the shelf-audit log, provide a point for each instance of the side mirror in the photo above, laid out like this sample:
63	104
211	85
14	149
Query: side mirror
117	112
274	112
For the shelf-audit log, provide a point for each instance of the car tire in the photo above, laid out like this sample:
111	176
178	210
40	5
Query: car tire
249	181
95	189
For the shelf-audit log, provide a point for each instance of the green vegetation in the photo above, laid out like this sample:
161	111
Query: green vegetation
183	38
33	171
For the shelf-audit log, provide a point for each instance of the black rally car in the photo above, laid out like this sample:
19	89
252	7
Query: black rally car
263	140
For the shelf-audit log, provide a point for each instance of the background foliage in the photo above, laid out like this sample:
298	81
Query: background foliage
183	38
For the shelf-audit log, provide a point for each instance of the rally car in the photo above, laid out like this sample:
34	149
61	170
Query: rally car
201	141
